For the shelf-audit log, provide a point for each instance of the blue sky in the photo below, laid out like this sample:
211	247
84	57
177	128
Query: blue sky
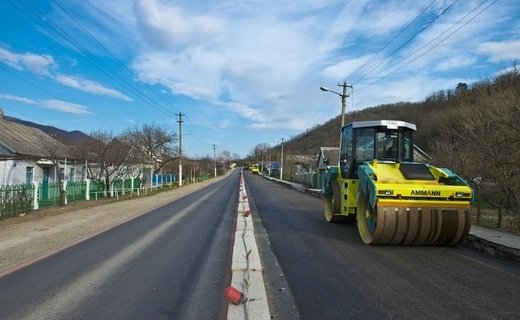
242	72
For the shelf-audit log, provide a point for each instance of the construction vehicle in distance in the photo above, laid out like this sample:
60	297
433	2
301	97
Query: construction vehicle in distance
255	169
394	199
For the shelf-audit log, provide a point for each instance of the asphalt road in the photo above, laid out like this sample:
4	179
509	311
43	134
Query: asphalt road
333	275
171	263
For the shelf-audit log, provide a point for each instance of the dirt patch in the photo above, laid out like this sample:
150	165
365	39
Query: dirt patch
41	232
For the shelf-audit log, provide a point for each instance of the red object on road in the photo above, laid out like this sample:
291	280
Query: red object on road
234	295
247	213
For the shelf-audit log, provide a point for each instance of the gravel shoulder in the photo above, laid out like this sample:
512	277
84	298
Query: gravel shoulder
40	233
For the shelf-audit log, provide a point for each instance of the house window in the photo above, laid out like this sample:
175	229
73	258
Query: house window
29	175
71	174
62	174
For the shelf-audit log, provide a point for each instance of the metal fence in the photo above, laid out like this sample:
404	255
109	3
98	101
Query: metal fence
15	199
160	179
119	186
76	191
48	194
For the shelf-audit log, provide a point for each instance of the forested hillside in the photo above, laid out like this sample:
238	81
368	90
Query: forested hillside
430	115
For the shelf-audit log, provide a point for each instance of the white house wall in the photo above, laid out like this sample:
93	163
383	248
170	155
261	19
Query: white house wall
6	172
14	172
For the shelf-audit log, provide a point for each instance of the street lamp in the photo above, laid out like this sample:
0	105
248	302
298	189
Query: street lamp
343	96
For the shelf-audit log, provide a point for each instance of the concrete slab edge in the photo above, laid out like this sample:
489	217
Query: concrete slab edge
256	307
492	248
246	267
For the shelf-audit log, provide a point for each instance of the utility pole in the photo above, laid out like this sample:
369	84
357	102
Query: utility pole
215	158
180	146
343	96
281	161
262	166
270	164
344	101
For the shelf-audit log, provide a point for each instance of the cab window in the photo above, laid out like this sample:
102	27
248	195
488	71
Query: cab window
387	145
365	145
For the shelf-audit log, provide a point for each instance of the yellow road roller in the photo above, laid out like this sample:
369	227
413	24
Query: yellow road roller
394	199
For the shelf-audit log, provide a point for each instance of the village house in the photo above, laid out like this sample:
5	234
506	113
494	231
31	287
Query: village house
28	155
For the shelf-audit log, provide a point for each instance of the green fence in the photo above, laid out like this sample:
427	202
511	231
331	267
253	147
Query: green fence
76	191
15	199
48	194
97	189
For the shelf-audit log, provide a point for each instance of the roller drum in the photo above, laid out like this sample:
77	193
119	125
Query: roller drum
392	225
421	226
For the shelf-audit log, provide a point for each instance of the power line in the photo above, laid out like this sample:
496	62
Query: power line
44	91
192	132
320	115
59	33
400	65
391	40
104	47
407	41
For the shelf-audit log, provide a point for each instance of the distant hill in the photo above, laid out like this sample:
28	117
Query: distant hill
430	115
66	137
422	114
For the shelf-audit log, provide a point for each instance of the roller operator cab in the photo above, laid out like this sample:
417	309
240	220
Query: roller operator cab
394	199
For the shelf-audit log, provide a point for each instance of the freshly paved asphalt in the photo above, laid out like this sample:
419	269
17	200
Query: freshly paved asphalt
333	275
171	263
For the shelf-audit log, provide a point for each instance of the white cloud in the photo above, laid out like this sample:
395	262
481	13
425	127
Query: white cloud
261	63
243	110
340	69
40	65
256	59
455	62
387	17
64	106
89	86
53	104
17	98
498	51
167	26
37	64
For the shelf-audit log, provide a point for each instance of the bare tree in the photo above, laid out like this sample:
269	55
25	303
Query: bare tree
258	150
108	157
152	144
56	153
482	141
224	159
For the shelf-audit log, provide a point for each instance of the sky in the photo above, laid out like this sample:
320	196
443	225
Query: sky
241	73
